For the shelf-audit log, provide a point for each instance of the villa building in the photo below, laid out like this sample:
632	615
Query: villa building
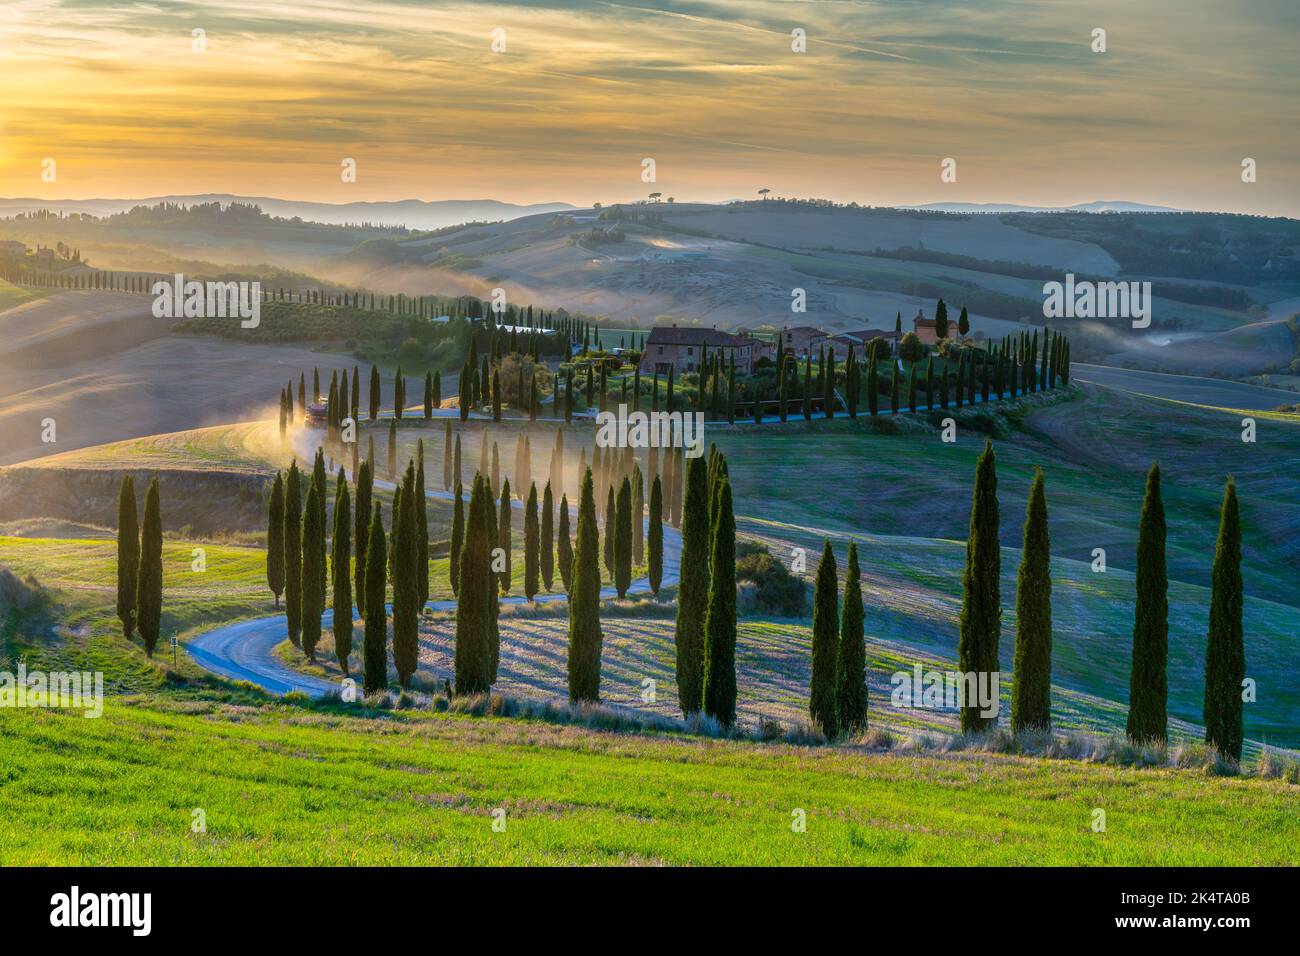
681	348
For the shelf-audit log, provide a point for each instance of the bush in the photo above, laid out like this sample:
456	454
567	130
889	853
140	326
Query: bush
765	585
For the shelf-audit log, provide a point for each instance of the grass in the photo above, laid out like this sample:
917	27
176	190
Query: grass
12	295
292	785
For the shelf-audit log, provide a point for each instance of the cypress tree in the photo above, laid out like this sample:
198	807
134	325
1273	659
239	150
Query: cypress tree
319	480
622	534
392	450
437	389
428	395
421	545
128	555
981	610
342	564
293	554
532	544
361	533
693	589
893	389
547	545
457	538
853	651
496	395
1032	688
873	387
312	536
456	466
807	385
911	389
1225	654
719	679
406	583
584	603
655	536
274	538
611	523
828	385
638	516
447	458
1148	682
503	533
374	405
148	594
376	632
399	394
564	546
824	690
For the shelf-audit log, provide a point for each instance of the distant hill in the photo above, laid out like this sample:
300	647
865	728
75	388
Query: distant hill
413	213
1102	205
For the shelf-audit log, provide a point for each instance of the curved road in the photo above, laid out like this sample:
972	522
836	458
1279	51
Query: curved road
246	650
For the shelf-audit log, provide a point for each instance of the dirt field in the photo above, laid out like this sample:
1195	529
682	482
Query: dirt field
108	371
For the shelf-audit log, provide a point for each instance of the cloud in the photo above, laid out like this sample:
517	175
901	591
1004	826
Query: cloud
711	90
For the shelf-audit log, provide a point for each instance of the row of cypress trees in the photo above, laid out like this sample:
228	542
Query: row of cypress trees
980	621
139	564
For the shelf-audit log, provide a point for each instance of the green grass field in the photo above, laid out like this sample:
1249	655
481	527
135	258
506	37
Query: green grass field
286	785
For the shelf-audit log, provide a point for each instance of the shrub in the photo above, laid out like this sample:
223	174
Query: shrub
766	585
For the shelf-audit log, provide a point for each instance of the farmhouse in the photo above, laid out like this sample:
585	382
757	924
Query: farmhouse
799	339
11	247
681	348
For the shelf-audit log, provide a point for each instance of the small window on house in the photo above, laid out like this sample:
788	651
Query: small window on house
661	350
690	350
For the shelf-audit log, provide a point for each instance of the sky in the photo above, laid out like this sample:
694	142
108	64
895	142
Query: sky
271	98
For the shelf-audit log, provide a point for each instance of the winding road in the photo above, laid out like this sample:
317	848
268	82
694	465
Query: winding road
246	650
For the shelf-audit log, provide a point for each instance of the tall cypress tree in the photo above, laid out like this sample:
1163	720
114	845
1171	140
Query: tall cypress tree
1031	701
376	632
293	553
503	533
638	516
447	456
547	544
532	544
374	398
406	583
1225	654
274	538
319	480
342	565
421	532
655	536
428	395
622	534
824	691
564	546
981	609
853	651
392	450
457	537
584	603
1148	681
610	524
693	589
128	554
148	593
719	681
361	533
312	536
